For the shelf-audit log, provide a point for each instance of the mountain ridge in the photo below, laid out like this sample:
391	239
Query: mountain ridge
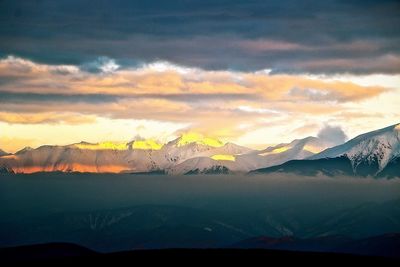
374	153
180	156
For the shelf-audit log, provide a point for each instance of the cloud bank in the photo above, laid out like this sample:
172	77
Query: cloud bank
166	92
332	36
227	103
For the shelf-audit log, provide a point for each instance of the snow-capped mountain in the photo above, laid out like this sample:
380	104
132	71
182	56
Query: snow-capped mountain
234	158
64	158
297	149
375	153
200	165
189	153
194	154
373	149
135	156
275	155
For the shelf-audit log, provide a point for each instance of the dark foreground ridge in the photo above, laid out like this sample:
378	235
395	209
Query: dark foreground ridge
67	254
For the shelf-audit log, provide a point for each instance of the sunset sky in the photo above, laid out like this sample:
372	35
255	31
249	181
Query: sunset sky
252	72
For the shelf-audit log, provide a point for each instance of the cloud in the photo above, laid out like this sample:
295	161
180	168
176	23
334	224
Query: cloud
101	64
331	36
387	63
334	135
162	91
10	97
173	82
226	103
46	117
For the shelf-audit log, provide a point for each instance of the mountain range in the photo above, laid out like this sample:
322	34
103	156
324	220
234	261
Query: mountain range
165	226
375	153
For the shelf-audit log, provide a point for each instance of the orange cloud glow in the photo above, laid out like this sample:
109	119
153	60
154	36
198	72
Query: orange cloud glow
227	104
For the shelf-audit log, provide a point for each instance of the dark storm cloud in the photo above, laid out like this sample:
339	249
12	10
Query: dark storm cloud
10	97
26	98
286	36
203	97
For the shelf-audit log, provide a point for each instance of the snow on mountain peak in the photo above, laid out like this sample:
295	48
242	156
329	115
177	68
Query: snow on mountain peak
148	144
191	137
195	153
199	165
381	148
376	147
101	146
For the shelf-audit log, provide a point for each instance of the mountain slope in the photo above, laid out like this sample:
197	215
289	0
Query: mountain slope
25	149
215	160
200	165
374	153
392	169
166	226
329	167
367	219
371	154
275	155
136	156
3	153
371	151
382	245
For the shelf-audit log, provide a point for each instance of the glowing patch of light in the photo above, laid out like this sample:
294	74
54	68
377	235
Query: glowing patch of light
102	146
9	157
312	149
223	157
146	145
71	167
277	150
188	138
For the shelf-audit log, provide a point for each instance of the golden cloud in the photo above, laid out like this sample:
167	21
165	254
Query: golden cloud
40	78
211	102
46	117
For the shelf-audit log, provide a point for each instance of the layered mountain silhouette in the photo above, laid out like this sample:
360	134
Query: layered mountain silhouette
374	153
383	245
356	252
166	226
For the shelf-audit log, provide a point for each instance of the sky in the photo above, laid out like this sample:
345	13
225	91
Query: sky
255	73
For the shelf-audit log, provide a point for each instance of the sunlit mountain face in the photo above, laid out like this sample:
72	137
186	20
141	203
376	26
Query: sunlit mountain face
189	151
194	153
103	146
196	138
